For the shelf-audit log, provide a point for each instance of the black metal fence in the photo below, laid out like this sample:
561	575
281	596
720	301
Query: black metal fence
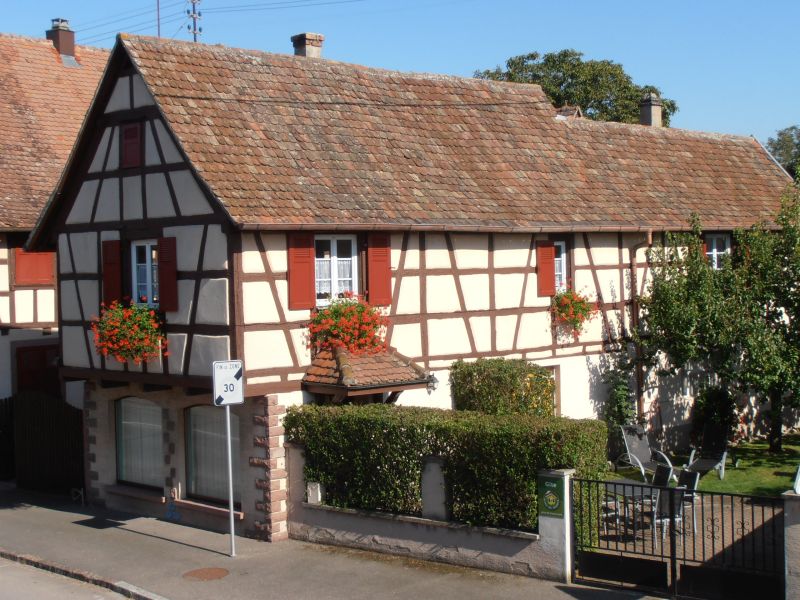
687	543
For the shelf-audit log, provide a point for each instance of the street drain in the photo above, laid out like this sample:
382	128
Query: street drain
207	574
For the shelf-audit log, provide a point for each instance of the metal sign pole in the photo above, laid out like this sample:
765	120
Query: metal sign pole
230	476
228	379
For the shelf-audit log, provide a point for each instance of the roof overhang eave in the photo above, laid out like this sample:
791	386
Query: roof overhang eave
577	228
362	390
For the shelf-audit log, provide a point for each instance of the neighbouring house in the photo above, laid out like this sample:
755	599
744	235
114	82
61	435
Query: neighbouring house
47	86
237	190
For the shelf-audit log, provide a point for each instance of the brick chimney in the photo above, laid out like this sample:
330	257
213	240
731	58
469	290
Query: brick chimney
650	110
62	36
308	44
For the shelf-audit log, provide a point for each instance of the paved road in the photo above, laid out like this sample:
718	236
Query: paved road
21	582
183	563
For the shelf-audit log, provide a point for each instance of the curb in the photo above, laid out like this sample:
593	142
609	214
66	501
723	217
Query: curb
120	587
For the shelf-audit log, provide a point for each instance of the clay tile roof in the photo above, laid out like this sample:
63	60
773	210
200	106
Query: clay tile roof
42	106
341	369
297	141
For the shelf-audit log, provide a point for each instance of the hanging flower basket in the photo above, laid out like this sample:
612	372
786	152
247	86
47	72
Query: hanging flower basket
129	332
572	310
350	323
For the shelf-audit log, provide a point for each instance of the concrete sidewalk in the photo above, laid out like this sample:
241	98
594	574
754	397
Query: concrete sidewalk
149	558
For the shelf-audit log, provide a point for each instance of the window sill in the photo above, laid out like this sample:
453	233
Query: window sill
137	493
208	508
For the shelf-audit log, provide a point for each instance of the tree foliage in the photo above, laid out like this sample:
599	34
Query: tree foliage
741	322
601	88
785	147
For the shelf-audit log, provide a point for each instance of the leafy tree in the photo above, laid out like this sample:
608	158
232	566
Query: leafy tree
741	322
602	88
785	147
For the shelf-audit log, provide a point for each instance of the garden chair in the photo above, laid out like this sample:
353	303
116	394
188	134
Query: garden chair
713	451
661	515
638	452
689	480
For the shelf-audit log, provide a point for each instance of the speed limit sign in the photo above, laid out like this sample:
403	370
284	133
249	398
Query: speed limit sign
228	382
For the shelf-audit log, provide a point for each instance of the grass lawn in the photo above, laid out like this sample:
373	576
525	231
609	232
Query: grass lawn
760	473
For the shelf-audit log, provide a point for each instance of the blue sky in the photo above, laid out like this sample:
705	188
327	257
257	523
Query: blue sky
732	66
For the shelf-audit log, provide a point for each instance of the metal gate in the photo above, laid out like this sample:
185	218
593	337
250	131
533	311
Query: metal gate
695	545
48	443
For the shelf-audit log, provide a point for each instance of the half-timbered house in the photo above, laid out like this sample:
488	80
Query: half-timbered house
47	86
237	191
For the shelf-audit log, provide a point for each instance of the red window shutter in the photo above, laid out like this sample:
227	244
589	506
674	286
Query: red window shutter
112	271
167	274
33	268
546	268
704	249
302	271
379	269
131	145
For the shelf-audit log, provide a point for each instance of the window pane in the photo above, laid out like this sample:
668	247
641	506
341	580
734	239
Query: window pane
323	278
141	255
344	248
323	248
140	456
207	458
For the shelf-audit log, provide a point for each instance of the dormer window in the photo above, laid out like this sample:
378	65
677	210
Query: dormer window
131	145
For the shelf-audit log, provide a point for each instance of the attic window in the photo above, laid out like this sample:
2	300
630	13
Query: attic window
131	145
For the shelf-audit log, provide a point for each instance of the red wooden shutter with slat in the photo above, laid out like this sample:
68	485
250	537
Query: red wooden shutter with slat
112	271
167	274
379	269
704	249
33	268
546	268
302	271
131	145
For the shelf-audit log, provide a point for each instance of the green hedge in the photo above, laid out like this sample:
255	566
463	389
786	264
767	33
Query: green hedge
371	457
499	386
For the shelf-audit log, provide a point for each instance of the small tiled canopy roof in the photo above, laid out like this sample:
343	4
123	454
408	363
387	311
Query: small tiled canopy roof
42	105
295	142
340	372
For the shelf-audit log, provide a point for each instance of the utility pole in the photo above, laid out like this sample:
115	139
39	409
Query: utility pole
158	18
195	15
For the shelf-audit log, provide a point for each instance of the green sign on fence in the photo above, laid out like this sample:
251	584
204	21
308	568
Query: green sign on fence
551	496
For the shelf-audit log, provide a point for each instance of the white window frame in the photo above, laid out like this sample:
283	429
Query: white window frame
148	245
713	251
560	265
334	271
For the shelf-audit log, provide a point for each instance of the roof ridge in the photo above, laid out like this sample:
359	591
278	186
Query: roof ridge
48	43
649	129
422	75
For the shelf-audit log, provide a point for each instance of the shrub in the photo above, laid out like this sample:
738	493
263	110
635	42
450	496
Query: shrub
350	323
499	386
714	405
129	332
371	457
619	408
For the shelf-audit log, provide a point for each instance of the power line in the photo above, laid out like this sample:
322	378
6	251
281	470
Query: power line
119	18
141	25
278	6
